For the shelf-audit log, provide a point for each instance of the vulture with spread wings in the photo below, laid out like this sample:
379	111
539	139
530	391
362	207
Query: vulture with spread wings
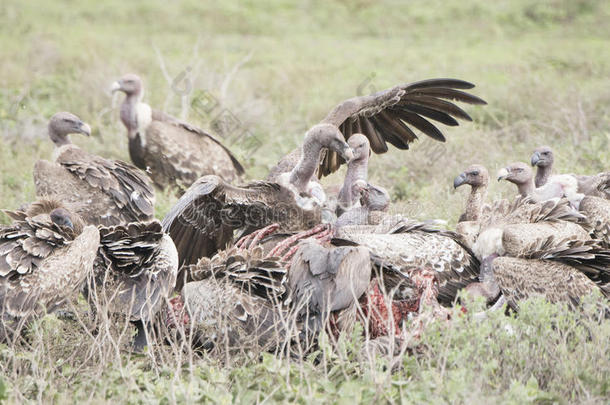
204	219
390	116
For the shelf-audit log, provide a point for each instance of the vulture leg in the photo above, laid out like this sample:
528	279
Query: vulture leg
287	243
140	340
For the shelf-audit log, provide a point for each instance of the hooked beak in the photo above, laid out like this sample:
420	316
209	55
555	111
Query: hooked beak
69	223
535	158
459	180
84	129
347	153
503	174
116	86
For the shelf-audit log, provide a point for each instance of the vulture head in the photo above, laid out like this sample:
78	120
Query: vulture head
375	198
130	84
61	217
63	124
476	176
543	157
361	147
517	173
329	136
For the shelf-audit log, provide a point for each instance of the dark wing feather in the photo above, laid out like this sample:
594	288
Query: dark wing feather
386	116
204	219
134	271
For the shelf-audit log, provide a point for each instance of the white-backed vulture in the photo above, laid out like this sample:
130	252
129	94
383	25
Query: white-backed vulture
597	185
203	220
558	270
235	301
414	245
477	177
173	152
45	255
134	273
374	202
511	228
101	191
469	222
521	175
386	116
357	171
325	279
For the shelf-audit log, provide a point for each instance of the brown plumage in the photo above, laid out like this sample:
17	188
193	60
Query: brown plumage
134	273
135	270
597	185
520	279
560	270
389	115
413	245
45	255
525	222
101	191
220	315
204	219
173	152
597	211
235	300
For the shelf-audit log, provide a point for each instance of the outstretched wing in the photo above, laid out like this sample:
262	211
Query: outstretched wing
204	218
390	115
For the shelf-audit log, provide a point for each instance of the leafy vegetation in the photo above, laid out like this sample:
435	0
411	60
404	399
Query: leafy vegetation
278	67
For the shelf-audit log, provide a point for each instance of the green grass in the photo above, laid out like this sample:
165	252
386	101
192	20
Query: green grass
543	66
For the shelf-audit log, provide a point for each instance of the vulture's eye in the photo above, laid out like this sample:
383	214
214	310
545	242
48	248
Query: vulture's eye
475	173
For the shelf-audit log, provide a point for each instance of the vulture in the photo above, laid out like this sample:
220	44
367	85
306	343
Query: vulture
45	256
133	274
521	175
597	185
559	270
374	203
389	116
205	217
477	177
357	170
539	233
327	279
173	152
290	185
415	245
102	191
469	222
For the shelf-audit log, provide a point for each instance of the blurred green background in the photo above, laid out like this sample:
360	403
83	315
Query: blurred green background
280	66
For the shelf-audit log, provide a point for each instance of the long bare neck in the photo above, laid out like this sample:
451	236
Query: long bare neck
526	188
59	140
356	170
542	175
474	204
305	169
129	113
